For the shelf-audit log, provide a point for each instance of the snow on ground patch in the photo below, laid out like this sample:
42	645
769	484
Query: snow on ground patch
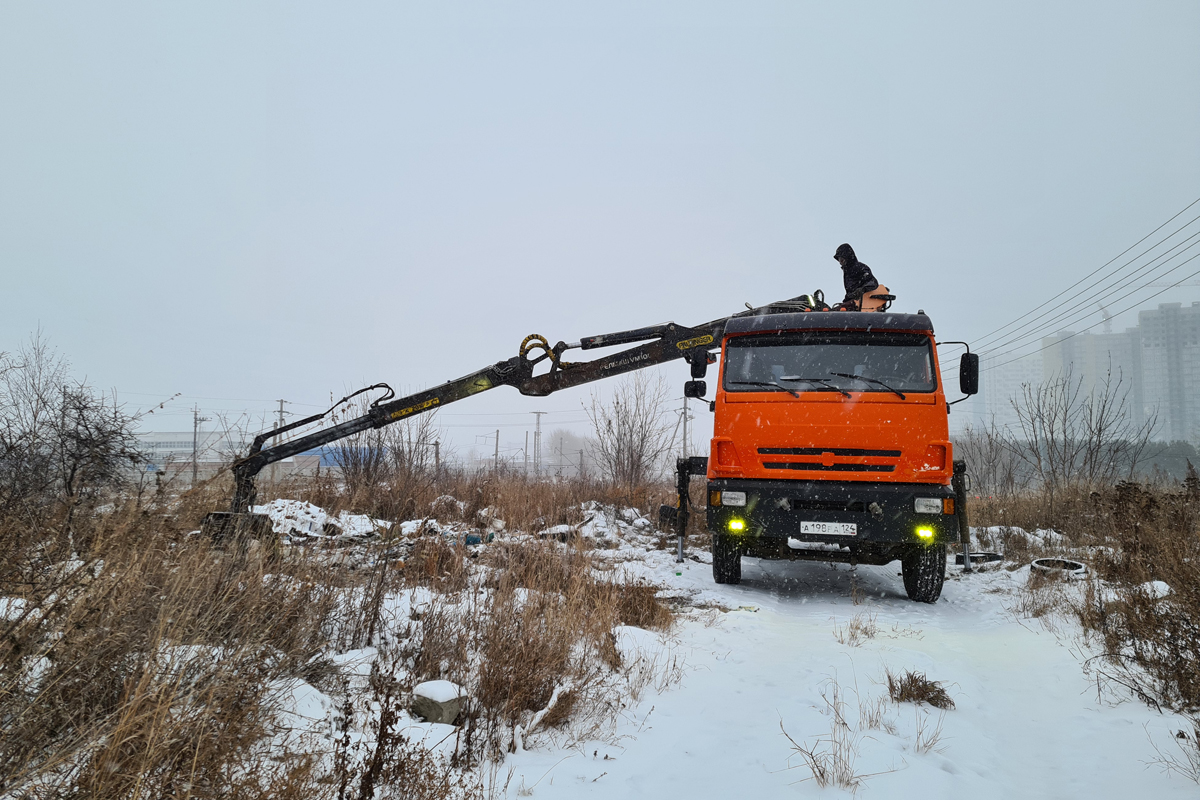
297	519
11	608
438	691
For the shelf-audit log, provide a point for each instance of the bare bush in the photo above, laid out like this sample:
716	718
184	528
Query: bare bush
388	471
63	447
1068	439
995	469
632	435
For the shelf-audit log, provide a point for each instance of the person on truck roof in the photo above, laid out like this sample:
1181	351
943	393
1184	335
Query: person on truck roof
856	276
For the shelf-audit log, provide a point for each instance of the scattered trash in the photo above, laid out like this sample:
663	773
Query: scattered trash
980	558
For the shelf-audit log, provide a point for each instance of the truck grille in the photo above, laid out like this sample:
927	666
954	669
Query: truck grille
807	465
816	451
828	453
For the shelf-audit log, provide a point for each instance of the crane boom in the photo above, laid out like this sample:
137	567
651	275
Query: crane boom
656	344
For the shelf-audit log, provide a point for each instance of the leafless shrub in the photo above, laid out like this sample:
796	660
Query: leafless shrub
388	471
1150	640
1185	762
632	434
995	469
914	687
64	449
1068	439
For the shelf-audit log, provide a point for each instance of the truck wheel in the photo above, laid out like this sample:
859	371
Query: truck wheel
924	570
727	561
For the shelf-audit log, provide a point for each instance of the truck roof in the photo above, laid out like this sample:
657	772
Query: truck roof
830	320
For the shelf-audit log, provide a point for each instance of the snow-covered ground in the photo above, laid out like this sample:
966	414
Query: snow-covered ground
748	662
1027	722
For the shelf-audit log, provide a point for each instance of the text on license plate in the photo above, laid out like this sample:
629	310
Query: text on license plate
830	528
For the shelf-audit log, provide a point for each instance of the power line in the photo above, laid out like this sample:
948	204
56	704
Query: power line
1099	293
1098	269
1077	333
1076	317
1083	304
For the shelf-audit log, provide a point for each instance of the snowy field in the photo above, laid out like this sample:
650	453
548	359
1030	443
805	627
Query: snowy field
1027	721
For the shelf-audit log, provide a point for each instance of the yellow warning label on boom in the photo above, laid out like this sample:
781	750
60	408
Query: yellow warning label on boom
408	412
690	343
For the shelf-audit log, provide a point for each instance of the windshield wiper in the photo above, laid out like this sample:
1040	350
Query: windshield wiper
765	383
821	381
876	381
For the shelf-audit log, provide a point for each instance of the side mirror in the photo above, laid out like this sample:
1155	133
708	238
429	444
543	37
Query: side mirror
968	373
695	388
699	366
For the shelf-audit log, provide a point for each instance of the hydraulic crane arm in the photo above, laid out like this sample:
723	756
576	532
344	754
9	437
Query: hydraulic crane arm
659	344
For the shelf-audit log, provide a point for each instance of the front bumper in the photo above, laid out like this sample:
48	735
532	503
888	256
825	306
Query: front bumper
883	514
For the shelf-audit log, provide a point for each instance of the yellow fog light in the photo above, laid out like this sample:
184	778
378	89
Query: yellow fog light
737	525
925	533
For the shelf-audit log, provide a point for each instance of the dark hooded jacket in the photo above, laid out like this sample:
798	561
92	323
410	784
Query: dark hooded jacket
856	276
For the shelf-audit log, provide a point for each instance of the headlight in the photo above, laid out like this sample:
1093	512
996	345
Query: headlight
733	498
928	505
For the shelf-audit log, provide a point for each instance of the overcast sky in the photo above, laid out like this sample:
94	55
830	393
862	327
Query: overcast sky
249	201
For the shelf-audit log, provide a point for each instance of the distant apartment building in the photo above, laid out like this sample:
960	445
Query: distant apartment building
1001	379
1170	339
1099	360
1156	366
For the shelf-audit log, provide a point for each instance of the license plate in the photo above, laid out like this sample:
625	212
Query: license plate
830	528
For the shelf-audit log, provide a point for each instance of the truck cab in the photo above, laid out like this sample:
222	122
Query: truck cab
831	443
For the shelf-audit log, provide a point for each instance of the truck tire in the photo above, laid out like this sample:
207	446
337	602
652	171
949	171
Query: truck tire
727	560
924	570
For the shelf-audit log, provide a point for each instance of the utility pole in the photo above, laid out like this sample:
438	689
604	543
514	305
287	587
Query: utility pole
496	458
437	459
582	475
537	444
685	419
558	472
277	438
196	420
526	454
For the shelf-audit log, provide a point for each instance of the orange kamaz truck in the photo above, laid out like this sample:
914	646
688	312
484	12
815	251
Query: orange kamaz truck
831	443
830	440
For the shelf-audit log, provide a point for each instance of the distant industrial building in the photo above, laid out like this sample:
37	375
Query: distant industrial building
173	452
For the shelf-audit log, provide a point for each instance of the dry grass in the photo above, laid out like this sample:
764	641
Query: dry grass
914	687
1130	535
155	665
858	630
928	738
830	758
149	669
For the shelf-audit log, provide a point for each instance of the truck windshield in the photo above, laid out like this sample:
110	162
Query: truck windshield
826	361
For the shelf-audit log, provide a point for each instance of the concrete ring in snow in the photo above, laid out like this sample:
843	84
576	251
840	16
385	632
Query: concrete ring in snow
1062	567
